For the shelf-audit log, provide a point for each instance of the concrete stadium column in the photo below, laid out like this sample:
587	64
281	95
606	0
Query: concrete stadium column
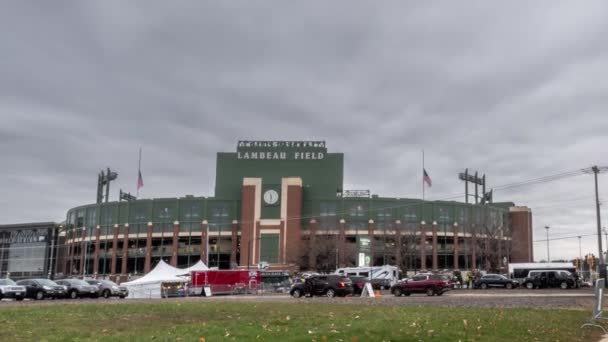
114	250
96	256
148	257
291	214
435	246
175	244
341	243
398	241
83	251
234	242
371	227
205	242
312	256
474	246
422	245
251	193
455	245
125	249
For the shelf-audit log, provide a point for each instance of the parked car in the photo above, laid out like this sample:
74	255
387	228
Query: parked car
431	284
107	289
9	289
78	288
42	288
358	284
495	280
324	285
550	278
381	283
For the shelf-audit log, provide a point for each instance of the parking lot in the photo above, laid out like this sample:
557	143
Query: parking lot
581	299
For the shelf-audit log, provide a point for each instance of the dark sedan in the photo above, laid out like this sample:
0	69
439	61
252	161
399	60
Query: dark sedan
495	280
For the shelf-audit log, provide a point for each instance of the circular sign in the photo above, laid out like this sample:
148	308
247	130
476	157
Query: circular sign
271	197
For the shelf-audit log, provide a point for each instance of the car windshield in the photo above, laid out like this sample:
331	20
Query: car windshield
107	282
7	282
46	282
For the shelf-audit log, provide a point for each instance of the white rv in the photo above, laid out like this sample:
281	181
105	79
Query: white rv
377	272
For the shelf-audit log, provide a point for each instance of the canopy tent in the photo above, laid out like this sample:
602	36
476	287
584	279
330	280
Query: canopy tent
199	266
149	286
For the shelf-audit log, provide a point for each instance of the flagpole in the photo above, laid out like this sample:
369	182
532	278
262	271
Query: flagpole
423	175
138	172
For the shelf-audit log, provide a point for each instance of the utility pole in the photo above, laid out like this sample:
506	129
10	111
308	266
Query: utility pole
580	254
602	264
548	257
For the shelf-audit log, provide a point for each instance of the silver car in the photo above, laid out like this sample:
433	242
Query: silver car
77	288
109	289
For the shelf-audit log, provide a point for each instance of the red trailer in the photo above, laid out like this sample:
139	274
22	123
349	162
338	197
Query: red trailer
223	281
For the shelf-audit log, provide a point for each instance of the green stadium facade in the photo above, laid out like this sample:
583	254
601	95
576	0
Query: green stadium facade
283	203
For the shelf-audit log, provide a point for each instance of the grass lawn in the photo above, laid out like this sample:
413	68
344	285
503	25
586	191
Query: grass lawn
219	321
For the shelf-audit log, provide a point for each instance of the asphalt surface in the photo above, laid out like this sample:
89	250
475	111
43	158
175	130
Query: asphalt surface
579	299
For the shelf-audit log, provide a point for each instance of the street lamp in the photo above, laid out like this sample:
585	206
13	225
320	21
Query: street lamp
580	254
548	257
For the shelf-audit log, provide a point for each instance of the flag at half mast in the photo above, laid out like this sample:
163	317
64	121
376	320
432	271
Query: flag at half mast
140	181
426	178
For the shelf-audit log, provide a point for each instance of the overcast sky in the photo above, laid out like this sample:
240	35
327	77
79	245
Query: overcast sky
517	92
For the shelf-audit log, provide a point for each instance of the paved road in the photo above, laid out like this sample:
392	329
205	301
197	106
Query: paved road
580	299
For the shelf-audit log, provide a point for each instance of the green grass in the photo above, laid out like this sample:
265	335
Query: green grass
231	321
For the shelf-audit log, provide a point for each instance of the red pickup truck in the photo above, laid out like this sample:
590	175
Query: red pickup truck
431	284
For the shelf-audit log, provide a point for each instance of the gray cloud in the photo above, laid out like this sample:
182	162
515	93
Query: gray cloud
515	91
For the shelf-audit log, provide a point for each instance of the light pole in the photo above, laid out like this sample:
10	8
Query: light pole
606	234
580	254
548	257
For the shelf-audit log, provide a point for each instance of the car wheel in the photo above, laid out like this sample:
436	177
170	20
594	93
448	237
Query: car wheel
73	294
330	293
563	285
397	292
39	295
509	286
439	293
19	298
296	293
121	297
529	285
430	292
484	286
106	294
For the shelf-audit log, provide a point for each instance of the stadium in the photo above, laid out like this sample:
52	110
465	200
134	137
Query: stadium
282	203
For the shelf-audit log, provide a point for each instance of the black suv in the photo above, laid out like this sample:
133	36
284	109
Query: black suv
495	280
42	288
550	278
324	285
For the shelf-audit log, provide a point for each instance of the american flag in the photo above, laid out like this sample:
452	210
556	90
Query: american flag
426	178
140	181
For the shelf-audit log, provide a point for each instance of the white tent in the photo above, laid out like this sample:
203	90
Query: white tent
148	286
199	266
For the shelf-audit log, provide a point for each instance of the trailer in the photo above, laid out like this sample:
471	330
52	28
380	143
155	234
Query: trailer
214	282
387	272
